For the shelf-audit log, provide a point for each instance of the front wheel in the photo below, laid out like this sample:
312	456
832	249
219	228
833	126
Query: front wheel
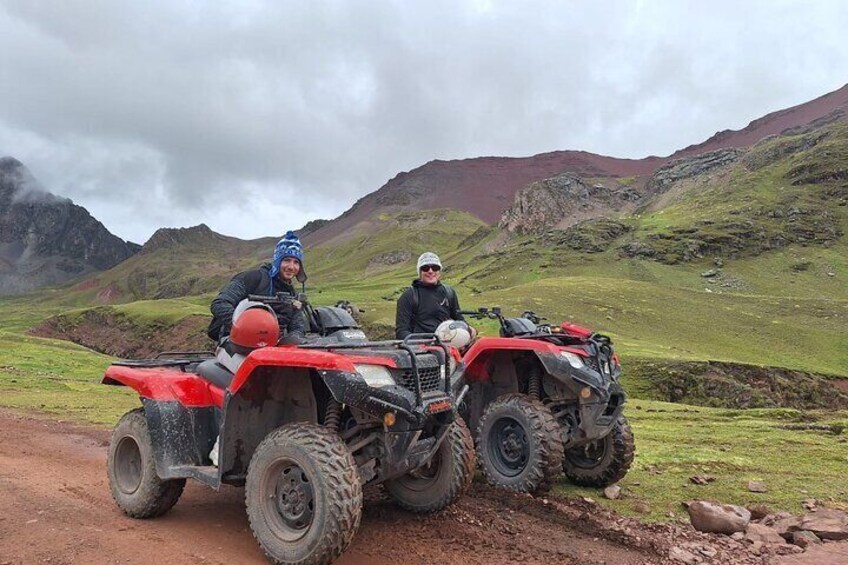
519	443
303	496
131	468
602	462
443	479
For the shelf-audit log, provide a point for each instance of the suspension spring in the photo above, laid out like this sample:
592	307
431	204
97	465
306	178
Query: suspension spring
534	386
333	415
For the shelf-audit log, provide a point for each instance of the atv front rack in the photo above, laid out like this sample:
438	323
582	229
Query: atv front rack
406	345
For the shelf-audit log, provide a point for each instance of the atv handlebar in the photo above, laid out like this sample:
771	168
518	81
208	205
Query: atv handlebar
480	313
279	298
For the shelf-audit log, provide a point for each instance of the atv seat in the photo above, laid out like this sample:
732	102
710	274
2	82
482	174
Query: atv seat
215	373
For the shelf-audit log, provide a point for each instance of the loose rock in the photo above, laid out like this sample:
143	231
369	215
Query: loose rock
683	556
764	534
718	518
756	486
803	538
612	492
758	511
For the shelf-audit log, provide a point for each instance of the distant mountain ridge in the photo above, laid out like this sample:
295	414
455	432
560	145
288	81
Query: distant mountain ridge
45	239
487	186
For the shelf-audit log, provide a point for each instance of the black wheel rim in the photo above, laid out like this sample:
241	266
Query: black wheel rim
422	478
128	465
508	447
288	500
588	456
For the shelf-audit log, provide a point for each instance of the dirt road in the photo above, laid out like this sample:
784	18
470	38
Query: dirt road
55	507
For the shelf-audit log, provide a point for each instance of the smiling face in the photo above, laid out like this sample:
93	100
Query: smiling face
289	268
430	274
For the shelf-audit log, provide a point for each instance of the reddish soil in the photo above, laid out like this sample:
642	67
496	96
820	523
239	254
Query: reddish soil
106	332
57	509
841	384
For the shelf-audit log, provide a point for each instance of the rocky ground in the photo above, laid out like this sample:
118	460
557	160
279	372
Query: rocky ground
57	509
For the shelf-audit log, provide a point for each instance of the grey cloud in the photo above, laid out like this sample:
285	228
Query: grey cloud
190	112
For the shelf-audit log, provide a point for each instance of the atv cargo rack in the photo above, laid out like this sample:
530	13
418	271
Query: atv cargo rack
180	359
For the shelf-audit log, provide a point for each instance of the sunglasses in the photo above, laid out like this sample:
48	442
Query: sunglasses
428	268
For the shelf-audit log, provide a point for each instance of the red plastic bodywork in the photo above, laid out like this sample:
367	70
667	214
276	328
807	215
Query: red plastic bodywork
575	330
479	353
172	384
166	384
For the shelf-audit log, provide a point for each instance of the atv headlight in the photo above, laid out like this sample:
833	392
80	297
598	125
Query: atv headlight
573	359
375	375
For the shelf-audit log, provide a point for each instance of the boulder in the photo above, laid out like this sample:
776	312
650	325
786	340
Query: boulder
718	518
826	523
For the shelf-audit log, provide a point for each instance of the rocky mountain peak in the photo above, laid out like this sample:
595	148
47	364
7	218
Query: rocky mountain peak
195	236
46	239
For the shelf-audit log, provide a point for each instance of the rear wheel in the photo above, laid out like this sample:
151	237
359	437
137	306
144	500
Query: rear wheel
303	496
519	444
604	461
439	483
131	468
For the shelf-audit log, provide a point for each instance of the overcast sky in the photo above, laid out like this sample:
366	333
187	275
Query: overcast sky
255	117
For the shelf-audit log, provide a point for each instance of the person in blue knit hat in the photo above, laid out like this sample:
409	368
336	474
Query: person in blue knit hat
270	278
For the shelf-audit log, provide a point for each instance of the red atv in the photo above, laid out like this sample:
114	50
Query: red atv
301	427
546	400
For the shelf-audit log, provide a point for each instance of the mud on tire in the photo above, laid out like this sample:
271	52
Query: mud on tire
602	462
519	444
439	484
303	496
131	468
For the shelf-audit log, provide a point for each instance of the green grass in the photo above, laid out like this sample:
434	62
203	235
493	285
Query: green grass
60	379
675	442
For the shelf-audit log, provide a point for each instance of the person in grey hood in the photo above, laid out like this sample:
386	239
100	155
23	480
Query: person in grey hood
428	302
268	279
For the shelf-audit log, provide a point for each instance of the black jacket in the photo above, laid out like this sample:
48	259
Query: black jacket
257	281
435	304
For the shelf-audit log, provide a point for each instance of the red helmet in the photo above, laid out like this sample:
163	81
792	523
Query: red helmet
255	327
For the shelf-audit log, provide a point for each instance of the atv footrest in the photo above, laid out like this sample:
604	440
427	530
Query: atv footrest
206	474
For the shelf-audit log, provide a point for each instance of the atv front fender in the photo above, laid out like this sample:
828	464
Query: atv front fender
290	357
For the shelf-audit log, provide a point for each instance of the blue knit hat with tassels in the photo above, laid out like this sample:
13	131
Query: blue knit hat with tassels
289	246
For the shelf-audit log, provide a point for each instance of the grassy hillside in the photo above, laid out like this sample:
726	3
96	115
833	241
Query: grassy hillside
174	263
744	264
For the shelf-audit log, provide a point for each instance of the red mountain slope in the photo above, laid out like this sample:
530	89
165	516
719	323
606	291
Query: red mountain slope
486	186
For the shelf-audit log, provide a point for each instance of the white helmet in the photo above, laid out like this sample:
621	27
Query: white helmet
454	333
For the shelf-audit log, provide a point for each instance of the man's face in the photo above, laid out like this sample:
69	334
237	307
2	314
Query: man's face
430	274
289	268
